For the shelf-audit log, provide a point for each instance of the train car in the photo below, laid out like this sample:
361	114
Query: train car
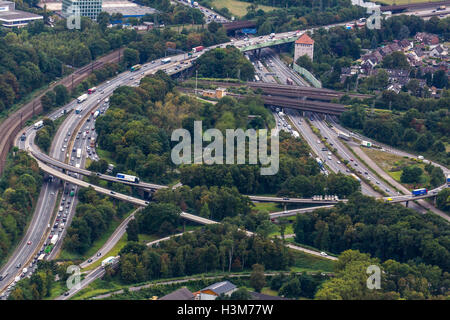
126	177
419	192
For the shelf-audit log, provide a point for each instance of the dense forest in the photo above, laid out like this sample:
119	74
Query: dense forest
19	188
94	214
33	56
136	129
225	63
383	230
405	281
220	247
424	128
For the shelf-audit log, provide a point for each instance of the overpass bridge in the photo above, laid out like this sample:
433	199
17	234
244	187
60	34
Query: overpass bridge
46	162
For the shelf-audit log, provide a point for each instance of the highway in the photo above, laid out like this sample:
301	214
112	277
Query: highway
40	221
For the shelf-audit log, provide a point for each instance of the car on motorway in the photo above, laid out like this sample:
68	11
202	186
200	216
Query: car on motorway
89	260
323	254
29	243
18	265
112	192
377	182
99	254
66	293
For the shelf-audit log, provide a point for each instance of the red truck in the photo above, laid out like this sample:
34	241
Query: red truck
198	49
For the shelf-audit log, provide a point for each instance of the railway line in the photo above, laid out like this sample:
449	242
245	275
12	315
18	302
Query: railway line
14	123
290	91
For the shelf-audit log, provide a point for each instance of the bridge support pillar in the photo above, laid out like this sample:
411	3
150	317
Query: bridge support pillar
285	206
434	200
406	204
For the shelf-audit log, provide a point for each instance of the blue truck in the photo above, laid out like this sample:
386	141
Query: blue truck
419	192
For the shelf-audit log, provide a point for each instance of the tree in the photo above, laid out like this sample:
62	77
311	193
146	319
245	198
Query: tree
257	277
411	174
133	231
305	62
103	20
130	57
241	294
61	95
292	288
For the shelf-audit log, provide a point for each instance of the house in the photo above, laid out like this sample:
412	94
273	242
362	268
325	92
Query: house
405	45
438	51
419	52
386	50
217	94
394	87
180	294
427	38
394	47
213	291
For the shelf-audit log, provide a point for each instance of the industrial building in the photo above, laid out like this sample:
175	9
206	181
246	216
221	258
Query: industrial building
90	8
87	8
10	17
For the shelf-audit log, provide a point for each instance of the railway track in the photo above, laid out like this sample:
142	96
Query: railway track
299	104
13	124
291	91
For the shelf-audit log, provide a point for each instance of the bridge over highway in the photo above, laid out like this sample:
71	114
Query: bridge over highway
56	173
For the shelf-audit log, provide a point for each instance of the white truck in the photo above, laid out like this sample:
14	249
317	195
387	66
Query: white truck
38	125
108	261
365	143
82	98
78	153
54	239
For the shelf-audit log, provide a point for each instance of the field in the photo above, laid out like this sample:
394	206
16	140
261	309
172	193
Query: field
238	8
392	2
269	206
393	164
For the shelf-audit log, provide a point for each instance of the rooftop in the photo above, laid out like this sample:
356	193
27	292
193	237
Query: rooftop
304	39
220	287
180	294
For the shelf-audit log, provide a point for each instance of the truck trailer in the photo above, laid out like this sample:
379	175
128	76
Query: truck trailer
126	177
419	192
82	98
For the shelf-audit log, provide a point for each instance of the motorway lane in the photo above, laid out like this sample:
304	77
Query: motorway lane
111	242
47	198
